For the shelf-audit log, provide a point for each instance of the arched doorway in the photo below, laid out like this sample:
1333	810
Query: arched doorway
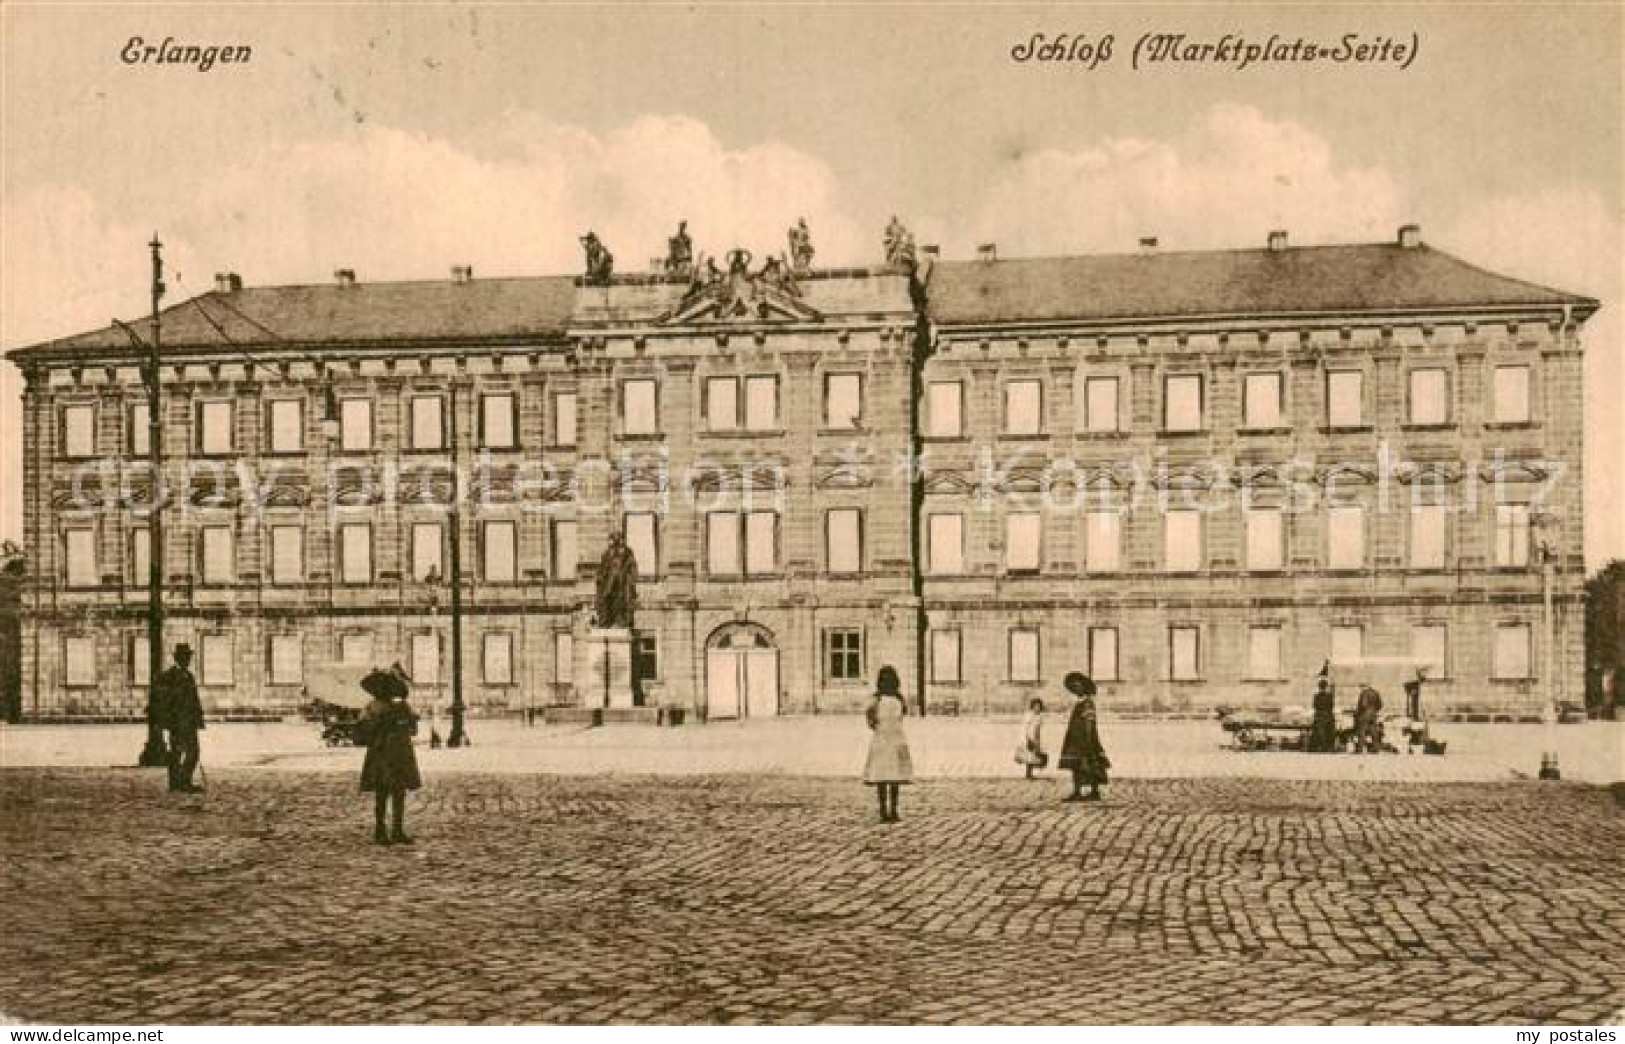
741	672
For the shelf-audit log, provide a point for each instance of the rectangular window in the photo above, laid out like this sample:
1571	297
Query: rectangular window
355	425
564	657
287	554
1428	522
1348	643
1103	653
1345	399
214	428
564	419
1024	654
355	649
500	543
1184	653
219	555
1512	394
140	433
1345	537
287	656
428	543
722	543
640	410
722	403
843	400
425	659
1430	398
843	540
1264	538
1512	534
1023	407
1102	541
140	557
945	657
218	666
1182	540
79	546
643	539
140	660
287	418
1512	651
1100	404
1263	653
496	658
1182	402
645	657
498	414
761	542
428	422
844	654
79	430
1261	404
79	662
355	553
1430	646
1023	541
945	409
946	544
761	403
564	550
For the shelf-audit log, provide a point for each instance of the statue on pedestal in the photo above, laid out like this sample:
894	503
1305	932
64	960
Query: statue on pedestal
899	244
801	248
680	251
600	262
617	594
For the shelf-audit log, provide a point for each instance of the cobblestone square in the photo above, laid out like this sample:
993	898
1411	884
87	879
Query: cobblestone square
736	899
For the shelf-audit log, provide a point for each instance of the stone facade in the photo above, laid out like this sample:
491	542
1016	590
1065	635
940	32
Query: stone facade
565	406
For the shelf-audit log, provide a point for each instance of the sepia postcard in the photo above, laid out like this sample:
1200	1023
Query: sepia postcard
797	514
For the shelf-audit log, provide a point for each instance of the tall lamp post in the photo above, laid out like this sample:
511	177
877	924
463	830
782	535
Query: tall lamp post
458	737
155	752
1545	525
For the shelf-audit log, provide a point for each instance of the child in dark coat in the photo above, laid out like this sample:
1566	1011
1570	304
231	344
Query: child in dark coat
390	768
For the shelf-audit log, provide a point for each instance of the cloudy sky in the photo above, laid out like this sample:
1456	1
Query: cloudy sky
399	141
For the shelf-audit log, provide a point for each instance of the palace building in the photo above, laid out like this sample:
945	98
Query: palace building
1195	475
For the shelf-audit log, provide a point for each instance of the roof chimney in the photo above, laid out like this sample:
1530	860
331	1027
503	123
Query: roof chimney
227	282
344	276
1410	236
461	274
1148	244
1278	239
987	252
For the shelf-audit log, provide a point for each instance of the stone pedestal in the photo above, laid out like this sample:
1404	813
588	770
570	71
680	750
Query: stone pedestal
603	668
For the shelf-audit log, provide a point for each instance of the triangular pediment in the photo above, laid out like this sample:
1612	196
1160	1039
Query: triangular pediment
763	306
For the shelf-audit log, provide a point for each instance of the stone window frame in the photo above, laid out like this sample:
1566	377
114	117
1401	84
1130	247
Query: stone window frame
853	659
64	452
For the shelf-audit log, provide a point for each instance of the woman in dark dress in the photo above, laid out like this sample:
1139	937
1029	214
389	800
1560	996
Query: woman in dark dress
391	768
1081	752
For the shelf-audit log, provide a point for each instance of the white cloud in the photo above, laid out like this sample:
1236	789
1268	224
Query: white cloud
1225	182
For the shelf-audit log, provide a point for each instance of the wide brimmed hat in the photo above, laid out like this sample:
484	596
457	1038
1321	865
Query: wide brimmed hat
388	684
1079	684
183	649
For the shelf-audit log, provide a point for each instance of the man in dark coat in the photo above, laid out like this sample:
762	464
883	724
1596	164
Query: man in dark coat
1367	723
1081	752
182	713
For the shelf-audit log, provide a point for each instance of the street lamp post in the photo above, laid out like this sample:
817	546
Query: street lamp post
458	737
155	752
1547	549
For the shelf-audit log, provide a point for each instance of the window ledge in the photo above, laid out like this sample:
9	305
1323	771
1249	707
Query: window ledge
945	438
1443	426
287	453
1345	429
861	430
1182	433
1117	435
1037	436
498	449
561	447
1036	683
1273	430
1528	425
641	436
741	433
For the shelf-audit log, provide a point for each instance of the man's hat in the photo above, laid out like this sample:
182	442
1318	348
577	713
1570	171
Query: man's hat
183	649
